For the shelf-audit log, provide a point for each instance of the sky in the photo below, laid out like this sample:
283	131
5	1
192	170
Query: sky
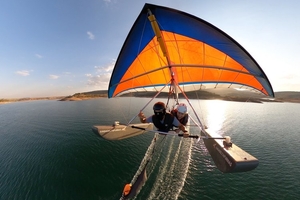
59	48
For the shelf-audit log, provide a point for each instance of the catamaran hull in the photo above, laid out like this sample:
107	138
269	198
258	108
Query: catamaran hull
229	159
120	132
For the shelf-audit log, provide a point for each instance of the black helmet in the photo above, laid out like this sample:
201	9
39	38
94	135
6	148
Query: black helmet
159	106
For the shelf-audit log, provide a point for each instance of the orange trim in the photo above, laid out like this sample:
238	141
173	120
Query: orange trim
127	189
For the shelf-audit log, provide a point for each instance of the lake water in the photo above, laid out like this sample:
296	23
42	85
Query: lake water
48	151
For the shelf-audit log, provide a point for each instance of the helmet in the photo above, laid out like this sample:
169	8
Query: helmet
182	108
159	106
159	109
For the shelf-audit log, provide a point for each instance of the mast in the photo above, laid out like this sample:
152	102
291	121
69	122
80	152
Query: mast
164	49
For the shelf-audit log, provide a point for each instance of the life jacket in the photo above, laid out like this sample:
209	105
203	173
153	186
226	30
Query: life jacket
183	120
167	123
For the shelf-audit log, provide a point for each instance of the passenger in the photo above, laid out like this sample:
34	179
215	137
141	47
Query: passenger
181	113
163	120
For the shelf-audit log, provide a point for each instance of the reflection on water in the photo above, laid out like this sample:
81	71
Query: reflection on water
216	114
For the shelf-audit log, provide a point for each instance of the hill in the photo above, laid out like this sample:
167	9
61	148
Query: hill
288	96
85	95
227	95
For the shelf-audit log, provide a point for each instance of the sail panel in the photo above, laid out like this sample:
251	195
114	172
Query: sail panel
198	53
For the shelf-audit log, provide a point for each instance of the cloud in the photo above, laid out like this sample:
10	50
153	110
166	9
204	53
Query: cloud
101	69
285	81
23	73
99	80
38	55
51	76
91	35
102	76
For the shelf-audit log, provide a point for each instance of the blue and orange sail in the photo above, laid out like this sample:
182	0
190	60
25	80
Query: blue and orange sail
165	43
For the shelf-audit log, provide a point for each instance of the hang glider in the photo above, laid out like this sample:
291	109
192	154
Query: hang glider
171	51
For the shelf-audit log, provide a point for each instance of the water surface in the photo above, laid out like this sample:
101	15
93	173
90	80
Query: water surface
48	151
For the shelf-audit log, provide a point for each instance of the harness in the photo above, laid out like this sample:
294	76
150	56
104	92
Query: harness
167	123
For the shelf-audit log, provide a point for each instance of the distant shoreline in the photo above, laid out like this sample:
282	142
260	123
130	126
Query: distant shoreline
89	98
290	97
5	101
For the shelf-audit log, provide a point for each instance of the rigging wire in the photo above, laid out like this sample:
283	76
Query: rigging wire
148	103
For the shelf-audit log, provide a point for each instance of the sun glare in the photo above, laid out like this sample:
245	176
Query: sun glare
215	114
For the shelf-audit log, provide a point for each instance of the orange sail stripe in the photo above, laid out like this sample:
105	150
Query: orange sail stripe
200	63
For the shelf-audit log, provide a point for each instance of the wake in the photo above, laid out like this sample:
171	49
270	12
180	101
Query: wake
172	169
163	170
